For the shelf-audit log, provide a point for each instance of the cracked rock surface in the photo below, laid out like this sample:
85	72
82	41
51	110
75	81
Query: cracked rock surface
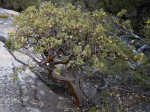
28	93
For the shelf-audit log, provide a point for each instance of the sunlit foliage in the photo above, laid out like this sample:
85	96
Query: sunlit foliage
74	38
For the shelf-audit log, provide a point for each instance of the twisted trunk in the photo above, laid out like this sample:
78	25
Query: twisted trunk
72	80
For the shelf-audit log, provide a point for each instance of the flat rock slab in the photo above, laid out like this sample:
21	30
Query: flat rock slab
27	93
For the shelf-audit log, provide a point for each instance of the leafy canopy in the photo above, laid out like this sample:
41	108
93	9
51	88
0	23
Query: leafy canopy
75	38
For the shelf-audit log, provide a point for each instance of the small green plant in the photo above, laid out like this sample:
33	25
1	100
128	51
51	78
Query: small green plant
17	70
92	109
8	43
106	106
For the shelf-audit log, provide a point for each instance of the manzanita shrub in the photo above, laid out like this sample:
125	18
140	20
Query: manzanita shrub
78	41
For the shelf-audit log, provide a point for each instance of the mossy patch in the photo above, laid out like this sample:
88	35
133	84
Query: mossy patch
4	15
